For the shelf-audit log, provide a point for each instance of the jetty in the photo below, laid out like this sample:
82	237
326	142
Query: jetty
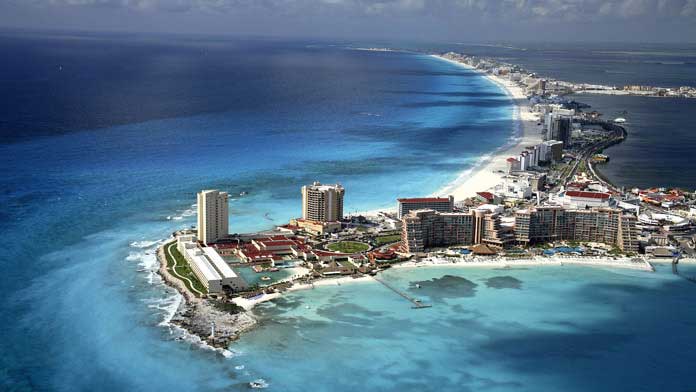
675	269
417	304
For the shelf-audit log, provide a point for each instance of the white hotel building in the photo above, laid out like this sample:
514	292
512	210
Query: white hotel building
213	216
211	270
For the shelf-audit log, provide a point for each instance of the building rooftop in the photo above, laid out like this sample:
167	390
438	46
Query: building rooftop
486	195
218	263
424	200
324	187
588	195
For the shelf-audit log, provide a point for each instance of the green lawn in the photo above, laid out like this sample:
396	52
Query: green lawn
388	239
182	268
348	247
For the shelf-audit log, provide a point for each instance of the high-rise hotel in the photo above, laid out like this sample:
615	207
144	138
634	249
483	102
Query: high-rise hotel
213	215
322	203
423	229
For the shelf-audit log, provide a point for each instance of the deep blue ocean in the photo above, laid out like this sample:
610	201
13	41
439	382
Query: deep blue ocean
104	141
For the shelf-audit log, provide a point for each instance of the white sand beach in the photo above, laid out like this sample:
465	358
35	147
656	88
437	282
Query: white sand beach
487	173
501	262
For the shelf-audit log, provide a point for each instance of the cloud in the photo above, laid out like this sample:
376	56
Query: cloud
528	9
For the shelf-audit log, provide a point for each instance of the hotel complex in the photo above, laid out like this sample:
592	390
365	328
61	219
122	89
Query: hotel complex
211	270
423	229
439	204
213	216
322	208
555	223
322	203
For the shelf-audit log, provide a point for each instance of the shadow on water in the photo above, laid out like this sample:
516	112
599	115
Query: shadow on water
503	282
448	286
645	337
483	103
470	94
411	136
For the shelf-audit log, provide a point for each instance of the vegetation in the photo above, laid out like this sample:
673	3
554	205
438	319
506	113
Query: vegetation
615	251
348	247
182	269
229	307
387	239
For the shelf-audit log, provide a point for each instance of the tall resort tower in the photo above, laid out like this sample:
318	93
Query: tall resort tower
322	203
213	215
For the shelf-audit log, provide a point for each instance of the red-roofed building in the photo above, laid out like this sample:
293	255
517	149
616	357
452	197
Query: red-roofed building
660	198
513	165
487	197
583	199
440	204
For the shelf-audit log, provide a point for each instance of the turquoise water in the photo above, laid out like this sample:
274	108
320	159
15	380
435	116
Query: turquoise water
105	142
101	158
536	329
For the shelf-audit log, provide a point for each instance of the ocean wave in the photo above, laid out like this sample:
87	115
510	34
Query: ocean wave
477	163
144	244
147	263
259	383
184	213
179	334
167	307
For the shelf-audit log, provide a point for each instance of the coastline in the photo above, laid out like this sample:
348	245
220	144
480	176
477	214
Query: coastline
486	174
196	316
499	262
488	171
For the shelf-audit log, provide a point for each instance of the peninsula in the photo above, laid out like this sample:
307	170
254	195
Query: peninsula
538	201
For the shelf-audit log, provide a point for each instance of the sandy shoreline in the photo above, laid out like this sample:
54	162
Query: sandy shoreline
625	263
486	173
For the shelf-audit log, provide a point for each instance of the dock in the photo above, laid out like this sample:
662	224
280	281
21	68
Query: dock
417	304
675	269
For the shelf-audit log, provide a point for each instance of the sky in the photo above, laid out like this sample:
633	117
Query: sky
421	20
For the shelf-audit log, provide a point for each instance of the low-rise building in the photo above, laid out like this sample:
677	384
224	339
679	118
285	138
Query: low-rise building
210	269
583	199
513	187
316	227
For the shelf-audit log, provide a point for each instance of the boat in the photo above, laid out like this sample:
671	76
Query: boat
274	269
619	120
244	193
265	278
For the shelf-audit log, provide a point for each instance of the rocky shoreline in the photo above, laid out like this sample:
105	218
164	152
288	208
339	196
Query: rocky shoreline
197	315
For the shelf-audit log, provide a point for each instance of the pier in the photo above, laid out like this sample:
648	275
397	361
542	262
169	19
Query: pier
675	269
417	304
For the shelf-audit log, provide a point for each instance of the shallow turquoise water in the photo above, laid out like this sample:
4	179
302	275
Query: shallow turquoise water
93	174
537	329
109	157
